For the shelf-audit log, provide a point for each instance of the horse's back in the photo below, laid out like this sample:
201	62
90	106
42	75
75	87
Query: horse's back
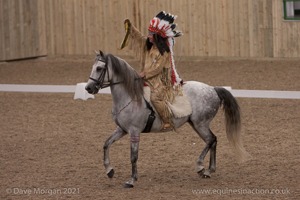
203	98
200	91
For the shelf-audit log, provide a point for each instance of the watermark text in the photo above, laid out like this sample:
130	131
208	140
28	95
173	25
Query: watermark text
242	191
43	191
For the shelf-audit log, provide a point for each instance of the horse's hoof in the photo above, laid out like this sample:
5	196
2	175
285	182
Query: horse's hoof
111	173
128	185
206	174
201	172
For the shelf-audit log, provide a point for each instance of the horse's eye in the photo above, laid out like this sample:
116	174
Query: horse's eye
98	69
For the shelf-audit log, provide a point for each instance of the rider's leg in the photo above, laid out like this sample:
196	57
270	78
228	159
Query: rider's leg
158	99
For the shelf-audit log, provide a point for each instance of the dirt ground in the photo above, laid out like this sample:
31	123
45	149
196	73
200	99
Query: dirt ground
51	145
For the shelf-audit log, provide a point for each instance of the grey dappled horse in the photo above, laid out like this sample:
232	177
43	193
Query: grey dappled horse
130	111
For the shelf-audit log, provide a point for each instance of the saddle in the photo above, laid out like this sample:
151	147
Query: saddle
180	107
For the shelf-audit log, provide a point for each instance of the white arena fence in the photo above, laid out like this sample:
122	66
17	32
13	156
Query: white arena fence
80	93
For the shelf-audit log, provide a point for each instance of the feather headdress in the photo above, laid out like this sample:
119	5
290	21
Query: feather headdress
163	25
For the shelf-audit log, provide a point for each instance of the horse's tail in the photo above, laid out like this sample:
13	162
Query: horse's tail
233	122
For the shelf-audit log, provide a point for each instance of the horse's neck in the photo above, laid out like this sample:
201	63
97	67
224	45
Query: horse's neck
119	96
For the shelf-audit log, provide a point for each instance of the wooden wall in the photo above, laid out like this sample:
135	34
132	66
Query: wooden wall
211	27
286	34
234	28
22	29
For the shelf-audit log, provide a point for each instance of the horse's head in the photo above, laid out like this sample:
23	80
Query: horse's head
99	77
110	71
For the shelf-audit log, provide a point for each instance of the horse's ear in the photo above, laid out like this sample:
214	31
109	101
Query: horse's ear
101	53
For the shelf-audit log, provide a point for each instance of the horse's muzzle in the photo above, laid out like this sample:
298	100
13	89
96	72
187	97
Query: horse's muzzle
91	90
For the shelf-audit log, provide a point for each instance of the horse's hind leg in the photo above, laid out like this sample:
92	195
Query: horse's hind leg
211	144
213	153
117	134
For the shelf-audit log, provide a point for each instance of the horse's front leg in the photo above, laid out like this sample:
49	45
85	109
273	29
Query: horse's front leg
117	134
134	150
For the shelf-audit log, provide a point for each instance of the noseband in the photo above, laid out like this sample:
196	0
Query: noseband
100	81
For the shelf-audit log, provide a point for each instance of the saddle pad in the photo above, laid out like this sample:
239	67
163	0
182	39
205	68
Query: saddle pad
180	107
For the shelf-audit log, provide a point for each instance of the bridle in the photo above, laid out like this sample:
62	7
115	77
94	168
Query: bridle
100	84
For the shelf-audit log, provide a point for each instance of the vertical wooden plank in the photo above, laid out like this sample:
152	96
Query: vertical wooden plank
298	40
21	29
230	27
214	30
225	28
282	33
199	24
280	29
269	30
68	26
251	19
6	28
275	28
86	25
255	44
202	29
78	28
246	39
289	42
217	25
49	26
41	24
105	41
293	39
206	22
113	20
182	20
237	28
58	28
261	28
10	31
118	24
31	37
209	30
191	38
220	29
2	41
84	46
244	30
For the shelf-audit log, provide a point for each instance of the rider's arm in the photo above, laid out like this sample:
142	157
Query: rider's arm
155	67
135	41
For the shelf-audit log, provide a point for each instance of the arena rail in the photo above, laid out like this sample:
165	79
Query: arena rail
80	93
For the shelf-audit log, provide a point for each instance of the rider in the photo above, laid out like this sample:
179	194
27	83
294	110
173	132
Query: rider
158	67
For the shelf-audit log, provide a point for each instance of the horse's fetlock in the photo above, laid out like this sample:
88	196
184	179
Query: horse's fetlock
105	147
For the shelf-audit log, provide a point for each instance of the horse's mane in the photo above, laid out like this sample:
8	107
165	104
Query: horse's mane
132	82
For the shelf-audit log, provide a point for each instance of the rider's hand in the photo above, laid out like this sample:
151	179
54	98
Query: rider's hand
142	74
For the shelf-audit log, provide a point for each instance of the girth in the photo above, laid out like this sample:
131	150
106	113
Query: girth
151	118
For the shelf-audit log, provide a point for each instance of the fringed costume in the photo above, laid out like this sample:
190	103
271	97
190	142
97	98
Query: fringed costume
156	55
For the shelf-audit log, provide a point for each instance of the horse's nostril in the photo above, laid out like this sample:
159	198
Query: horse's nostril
87	88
